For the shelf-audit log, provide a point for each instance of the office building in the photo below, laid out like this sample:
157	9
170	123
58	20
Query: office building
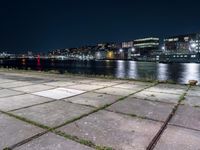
146	46
189	43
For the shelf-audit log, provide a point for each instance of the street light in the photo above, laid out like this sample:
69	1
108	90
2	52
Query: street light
121	50
133	49
163	48
193	45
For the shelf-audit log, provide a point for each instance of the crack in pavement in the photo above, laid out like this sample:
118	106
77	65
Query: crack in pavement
156	138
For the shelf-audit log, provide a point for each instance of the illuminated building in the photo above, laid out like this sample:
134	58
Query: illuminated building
110	55
189	43
127	44
100	55
146	46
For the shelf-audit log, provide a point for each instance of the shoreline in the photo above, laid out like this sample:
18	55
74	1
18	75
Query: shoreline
56	72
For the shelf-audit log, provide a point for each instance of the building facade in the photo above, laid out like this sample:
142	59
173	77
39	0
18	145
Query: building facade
189	43
129	44
146	46
100	55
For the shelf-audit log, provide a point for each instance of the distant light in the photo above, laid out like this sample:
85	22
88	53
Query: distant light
193	45
163	48
121	50
133	49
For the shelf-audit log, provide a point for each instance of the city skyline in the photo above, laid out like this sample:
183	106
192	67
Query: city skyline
48	25
124	44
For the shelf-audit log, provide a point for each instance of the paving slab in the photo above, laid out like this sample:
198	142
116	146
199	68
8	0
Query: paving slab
103	83
192	101
7	92
118	81
195	88
13	131
59	83
6	80
114	130
20	77
54	113
38	80
176	138
51	141
14	84
33	88
173	86
156	96
28	79
86	87
25	77
130	86
93	99
116	91
85	81
141	83
72	79
193	93
20	101
166	89
153	110
59	93
187	116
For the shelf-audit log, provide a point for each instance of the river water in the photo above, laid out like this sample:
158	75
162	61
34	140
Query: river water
177	72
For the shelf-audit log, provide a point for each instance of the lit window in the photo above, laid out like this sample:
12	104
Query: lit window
193	56
186	38
176	39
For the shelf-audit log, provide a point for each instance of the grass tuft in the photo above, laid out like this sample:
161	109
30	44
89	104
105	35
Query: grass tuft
7	148
81	141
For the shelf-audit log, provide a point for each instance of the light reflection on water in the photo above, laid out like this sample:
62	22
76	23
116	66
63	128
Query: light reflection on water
132	70
121	69
191	72
178	72
162	71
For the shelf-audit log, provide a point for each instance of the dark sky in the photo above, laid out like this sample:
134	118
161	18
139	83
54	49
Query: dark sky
42	25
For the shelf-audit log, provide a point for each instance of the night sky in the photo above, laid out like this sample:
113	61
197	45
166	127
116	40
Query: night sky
43	25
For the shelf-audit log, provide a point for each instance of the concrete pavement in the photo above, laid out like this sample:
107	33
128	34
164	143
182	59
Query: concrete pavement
40	111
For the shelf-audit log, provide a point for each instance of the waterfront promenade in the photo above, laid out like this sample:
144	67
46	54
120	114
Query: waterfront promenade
43	111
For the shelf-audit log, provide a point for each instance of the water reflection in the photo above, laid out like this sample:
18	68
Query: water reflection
132	69
38	61
52	63
108	64
175	71
23	61
120	70
181	72
191	72
147	70
162	72
38	67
